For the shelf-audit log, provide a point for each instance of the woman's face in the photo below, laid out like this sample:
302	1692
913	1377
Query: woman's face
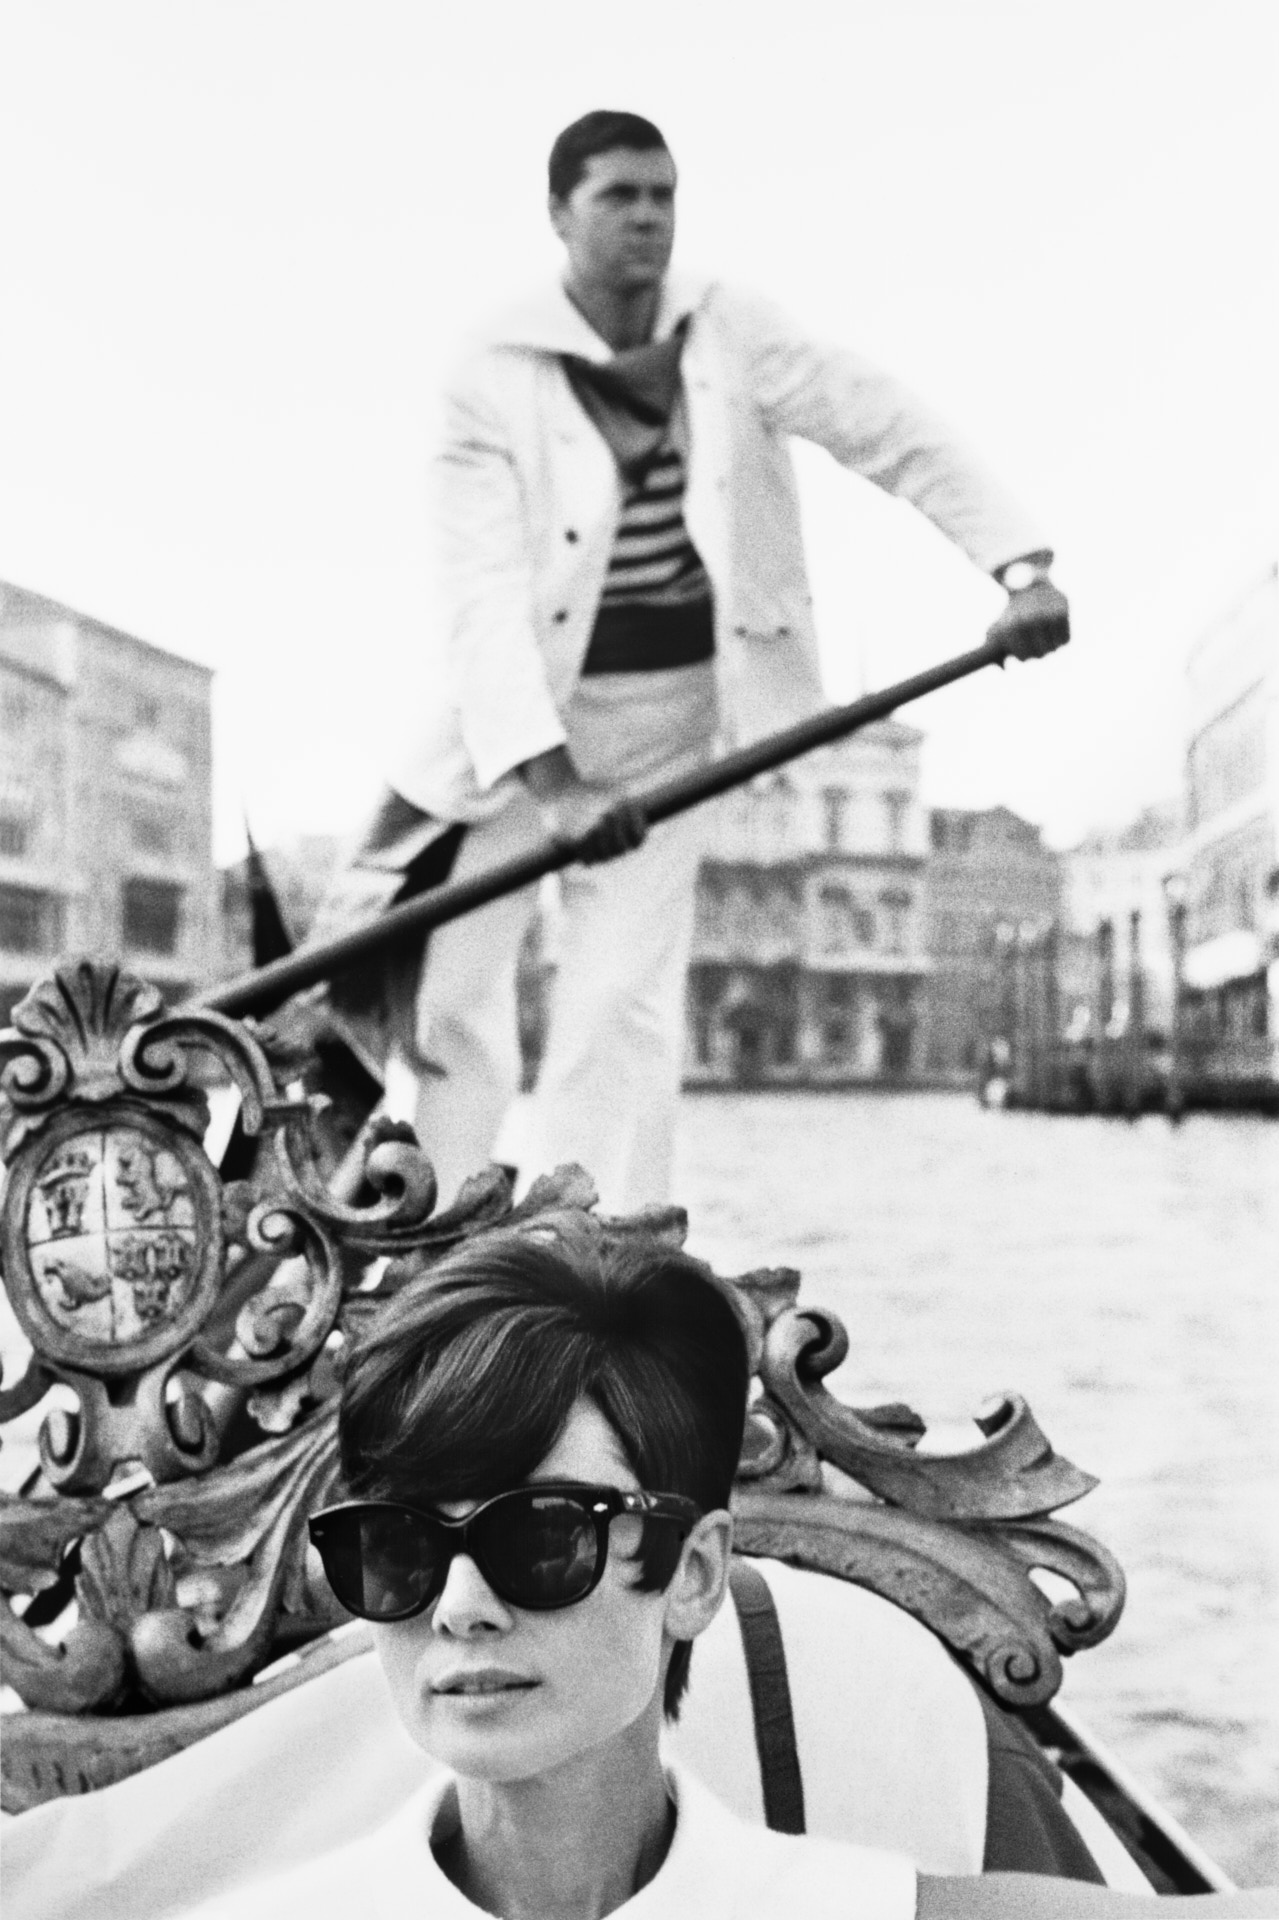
497	1693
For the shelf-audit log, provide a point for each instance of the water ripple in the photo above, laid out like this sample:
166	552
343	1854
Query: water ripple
1123	1278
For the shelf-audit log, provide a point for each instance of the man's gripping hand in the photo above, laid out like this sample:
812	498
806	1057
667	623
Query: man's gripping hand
593	820
1036	620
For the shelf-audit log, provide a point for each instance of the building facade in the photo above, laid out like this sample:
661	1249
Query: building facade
105	801
1109	878
989	882
808	956
1232	781
1229	870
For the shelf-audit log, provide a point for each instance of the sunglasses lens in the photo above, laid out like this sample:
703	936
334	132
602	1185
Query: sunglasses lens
381	1562
540	1550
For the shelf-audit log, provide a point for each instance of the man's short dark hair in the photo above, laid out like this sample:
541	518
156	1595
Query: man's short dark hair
463	1384
600	132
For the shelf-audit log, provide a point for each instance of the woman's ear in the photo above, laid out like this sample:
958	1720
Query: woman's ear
697	1590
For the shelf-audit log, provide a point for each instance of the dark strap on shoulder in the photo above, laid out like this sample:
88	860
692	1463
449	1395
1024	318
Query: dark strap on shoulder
780	1776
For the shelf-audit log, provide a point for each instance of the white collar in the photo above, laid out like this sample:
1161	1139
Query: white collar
698	1875
547	321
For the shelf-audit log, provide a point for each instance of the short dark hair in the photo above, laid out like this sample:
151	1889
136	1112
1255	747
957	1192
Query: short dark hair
462	1385
598	132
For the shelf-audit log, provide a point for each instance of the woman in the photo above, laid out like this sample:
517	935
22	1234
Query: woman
539	1443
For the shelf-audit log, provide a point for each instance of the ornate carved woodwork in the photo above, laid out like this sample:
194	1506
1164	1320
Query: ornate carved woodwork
183	1328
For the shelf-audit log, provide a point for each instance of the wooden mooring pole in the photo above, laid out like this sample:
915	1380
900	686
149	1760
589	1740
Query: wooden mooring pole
1134	1045
1175	1090
1103	1063
1053	1089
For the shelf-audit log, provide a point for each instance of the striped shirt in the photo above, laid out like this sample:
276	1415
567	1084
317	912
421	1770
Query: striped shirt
653	560
655	611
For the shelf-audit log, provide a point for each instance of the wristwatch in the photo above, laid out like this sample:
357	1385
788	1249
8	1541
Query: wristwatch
1020	574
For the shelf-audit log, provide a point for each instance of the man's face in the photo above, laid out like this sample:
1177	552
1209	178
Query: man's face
618	223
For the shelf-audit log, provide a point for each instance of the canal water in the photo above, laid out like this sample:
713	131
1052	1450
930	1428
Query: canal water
1125	1278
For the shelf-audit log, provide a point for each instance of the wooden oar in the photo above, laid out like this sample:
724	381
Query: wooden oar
267	986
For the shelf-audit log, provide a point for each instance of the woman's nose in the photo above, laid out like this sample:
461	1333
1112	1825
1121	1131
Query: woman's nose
468	1603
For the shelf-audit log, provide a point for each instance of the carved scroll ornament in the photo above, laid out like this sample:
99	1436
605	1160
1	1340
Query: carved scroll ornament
194	1325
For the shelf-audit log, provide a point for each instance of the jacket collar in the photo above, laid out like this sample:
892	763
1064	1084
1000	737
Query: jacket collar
546	321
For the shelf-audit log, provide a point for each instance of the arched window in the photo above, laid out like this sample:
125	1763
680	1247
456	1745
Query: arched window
835	911
896	905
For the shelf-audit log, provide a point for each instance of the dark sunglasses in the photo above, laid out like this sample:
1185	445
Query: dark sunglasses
539	1547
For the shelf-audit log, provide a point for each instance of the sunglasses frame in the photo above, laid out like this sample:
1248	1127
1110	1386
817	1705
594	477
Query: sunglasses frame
601	1504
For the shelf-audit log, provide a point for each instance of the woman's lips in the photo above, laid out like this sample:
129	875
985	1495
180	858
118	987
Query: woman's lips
481	1683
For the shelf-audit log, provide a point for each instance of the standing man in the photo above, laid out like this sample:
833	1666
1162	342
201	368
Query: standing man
624	592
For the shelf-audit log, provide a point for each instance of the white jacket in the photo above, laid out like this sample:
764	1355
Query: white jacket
528	498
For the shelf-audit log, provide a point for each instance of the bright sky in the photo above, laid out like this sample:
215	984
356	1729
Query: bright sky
238	236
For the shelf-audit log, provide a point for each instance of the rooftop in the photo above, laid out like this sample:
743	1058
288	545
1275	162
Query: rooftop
20	604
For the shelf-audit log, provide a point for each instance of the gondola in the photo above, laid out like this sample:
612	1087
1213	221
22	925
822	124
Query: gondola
188	1301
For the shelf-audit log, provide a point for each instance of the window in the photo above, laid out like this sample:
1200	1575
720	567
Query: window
951	832
151	915
15	836
837	1040
710	908
896	912
838	1018
842	923
735	930
30	921
835	913
782	913
896	804
152	832
147	710
834	816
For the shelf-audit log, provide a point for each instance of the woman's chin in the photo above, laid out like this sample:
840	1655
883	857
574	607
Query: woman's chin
495	1759
479	1738
478	1742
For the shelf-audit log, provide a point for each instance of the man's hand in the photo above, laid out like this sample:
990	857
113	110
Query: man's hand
1036	621
594	821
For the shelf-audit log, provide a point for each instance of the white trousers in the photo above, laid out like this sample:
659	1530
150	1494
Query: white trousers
609	1080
